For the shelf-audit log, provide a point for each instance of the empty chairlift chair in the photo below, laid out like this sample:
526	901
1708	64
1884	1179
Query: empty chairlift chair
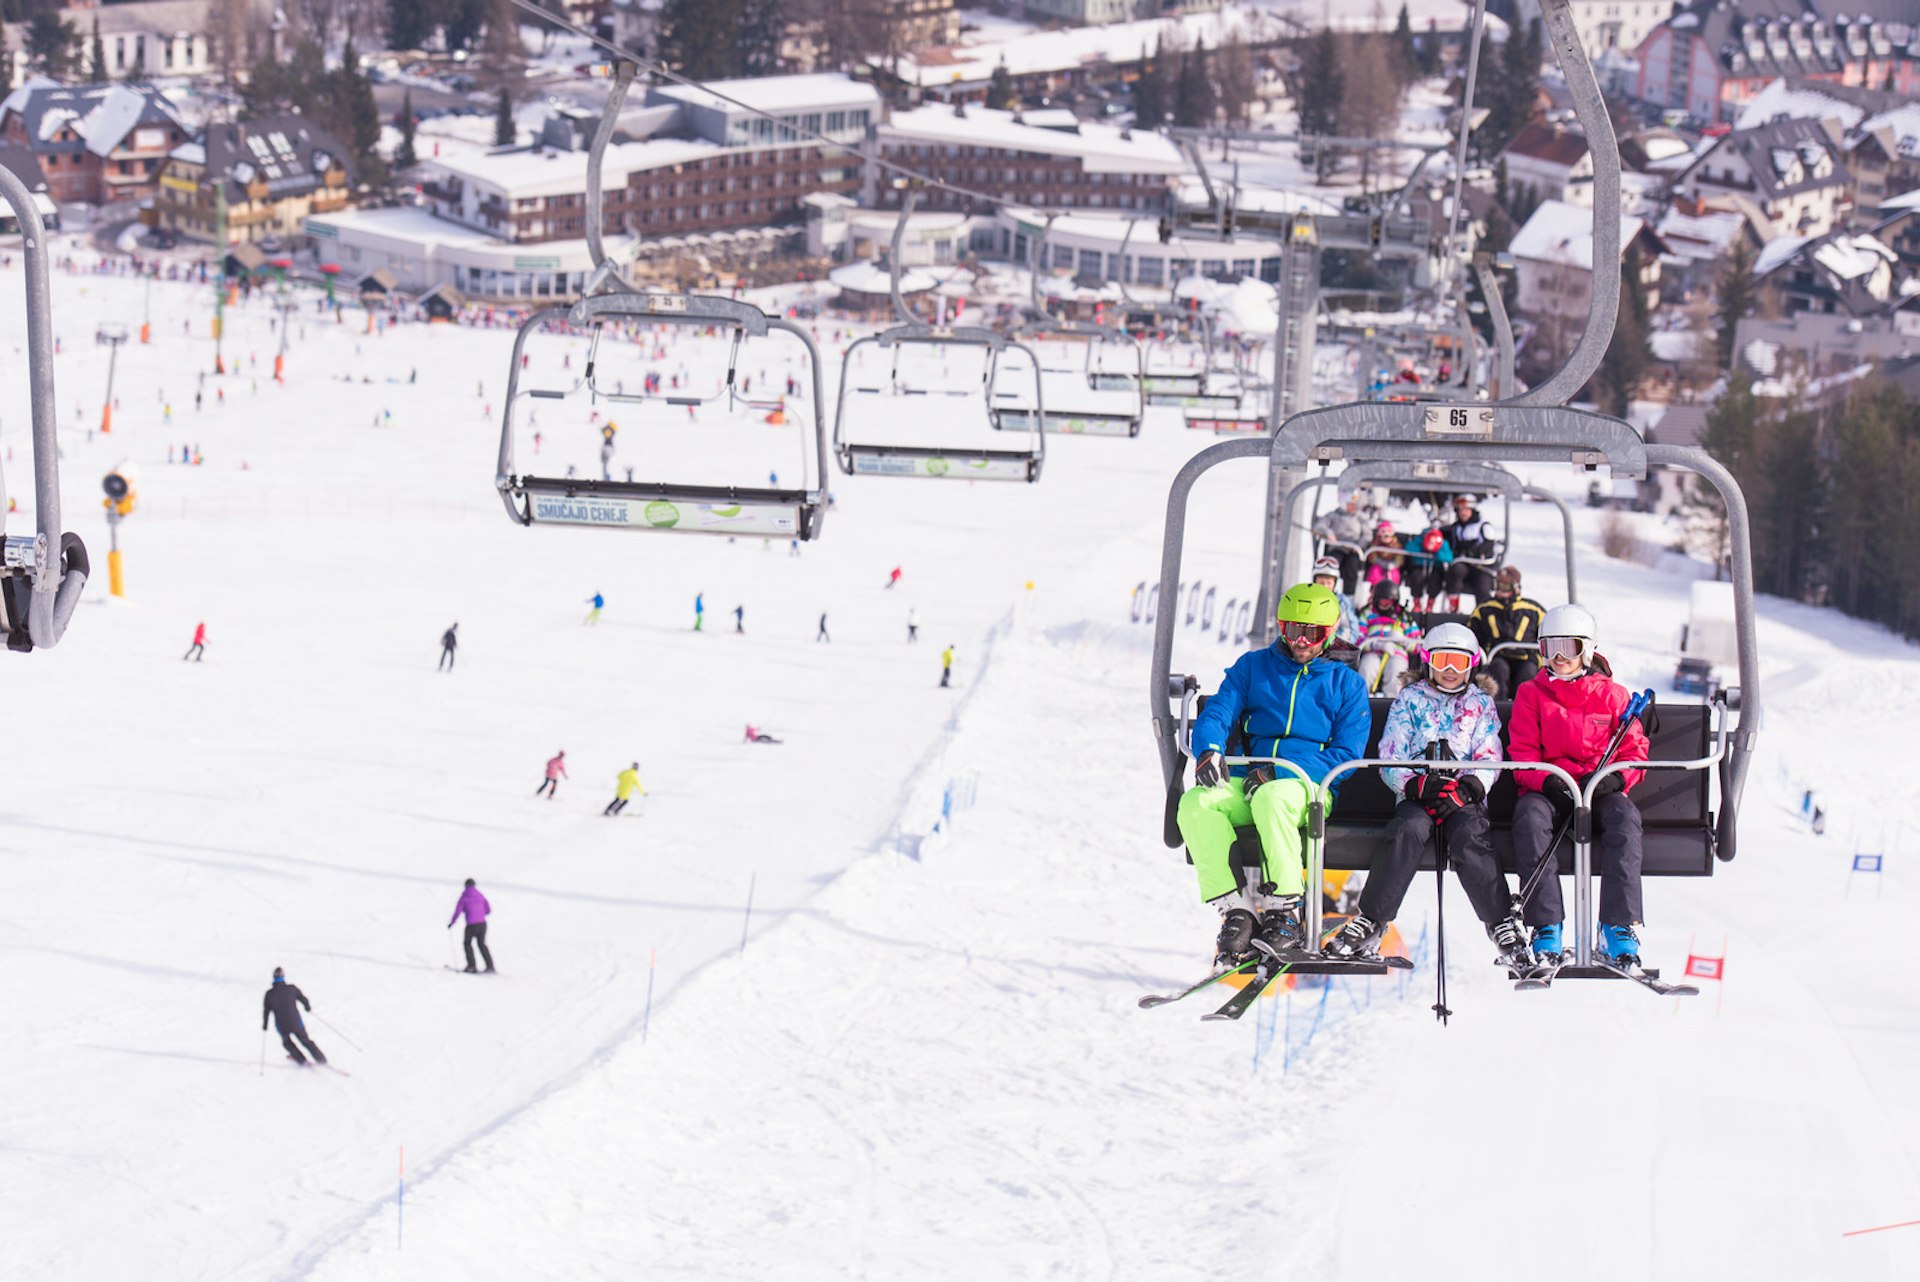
696	474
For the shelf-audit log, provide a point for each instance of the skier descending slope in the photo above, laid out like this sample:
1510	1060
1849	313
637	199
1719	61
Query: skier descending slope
1451	709
1289	702
625	784
1567	715
282	1002
475	907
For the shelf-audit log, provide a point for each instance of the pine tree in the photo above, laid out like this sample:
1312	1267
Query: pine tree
97	70
762	23
6	63
700	37
1318	94
1733	298
52	46
1000	89
504	134
408	24
1194	99
1629	355
357	116
1151	100
1406	58
403	155
461	22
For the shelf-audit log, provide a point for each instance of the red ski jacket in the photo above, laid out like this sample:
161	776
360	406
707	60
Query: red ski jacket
1569	723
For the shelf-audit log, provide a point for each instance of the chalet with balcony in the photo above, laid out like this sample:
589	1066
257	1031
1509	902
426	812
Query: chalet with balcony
95	143
262	179
1788	177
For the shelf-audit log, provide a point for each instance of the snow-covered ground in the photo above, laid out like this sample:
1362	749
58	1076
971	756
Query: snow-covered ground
888	1066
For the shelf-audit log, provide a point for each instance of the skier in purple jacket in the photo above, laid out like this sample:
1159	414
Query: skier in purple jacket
475	907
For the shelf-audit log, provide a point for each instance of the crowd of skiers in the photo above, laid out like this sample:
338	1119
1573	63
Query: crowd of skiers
1446	558
1296	702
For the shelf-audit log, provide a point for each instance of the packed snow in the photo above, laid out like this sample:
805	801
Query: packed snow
857	1004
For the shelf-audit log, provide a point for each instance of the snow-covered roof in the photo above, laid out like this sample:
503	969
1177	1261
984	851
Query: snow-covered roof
1039	52
777	93
1100	148
1111	230
1703	236
1796	101
866	277
1909	200
1562	233
520	175
192	153
54	121
1853	257
102	115
1777	251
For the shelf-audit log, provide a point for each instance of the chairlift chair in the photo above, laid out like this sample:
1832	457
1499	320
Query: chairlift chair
41	574
1534	427
909	453
680	506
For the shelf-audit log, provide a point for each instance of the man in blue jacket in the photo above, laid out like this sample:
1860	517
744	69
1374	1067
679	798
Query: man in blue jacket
1288	702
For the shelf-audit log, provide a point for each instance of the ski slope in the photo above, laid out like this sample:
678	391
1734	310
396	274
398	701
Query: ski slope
928	1067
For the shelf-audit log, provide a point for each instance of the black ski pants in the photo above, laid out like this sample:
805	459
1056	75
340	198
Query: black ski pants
1349	567
1512	670
446	659
615	806
477	934
1410	834
299	1033
549	786
1477	579
194	652
1616	831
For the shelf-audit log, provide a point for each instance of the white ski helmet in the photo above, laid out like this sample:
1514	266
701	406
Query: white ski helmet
1454	636
1325	567
1570	621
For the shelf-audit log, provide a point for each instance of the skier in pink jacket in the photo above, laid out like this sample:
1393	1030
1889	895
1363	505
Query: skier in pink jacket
556	771
475	907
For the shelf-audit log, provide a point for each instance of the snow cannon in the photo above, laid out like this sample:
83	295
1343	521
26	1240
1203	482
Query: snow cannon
120	502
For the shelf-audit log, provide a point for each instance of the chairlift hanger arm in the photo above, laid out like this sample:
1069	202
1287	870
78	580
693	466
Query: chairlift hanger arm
53	562
623	73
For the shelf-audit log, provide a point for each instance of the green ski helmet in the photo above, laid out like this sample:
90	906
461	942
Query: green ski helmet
1309	603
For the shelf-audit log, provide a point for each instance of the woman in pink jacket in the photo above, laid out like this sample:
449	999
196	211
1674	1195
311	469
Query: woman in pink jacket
556	771
1567	715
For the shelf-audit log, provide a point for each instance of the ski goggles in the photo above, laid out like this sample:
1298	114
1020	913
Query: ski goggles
1450	661
1312	633
1562	647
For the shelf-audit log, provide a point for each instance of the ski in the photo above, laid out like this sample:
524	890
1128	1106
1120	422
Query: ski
331	1069
462	970
1152	1000
1263	977
1640	977
1536	977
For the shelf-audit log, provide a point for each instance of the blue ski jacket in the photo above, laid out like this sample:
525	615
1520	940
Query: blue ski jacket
1313	714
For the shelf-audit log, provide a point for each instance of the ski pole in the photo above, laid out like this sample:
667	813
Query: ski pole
330	1028
1442	751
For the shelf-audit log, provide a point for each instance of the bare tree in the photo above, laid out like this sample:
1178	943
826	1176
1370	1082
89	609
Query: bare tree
1370	96
1237	78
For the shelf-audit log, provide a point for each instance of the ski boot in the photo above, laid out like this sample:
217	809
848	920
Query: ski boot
1279	932
1546	945
1235	942
1511	940
1620	946
1357	937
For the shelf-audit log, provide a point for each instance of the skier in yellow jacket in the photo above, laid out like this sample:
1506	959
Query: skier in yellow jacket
625	786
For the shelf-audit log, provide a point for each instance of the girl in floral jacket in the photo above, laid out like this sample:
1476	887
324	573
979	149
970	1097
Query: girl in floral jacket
1448	715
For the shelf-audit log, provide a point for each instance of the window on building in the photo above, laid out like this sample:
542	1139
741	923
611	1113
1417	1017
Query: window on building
1181	267
1152	271
1270	270
837	123
1243	267
812	121
1062	256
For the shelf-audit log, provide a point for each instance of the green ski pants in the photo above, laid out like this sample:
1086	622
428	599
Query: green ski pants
1278	811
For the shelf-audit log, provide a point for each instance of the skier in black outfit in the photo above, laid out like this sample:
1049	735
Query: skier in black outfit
283	1002
448	643
1470	537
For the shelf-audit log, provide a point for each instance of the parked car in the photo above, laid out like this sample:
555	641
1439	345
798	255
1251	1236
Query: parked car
1694	676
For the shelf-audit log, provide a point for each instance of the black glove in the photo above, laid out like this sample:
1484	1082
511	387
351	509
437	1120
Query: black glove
1472	791
1610	784
1256	777
1431	786
1556	791
1209	770
1445	802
